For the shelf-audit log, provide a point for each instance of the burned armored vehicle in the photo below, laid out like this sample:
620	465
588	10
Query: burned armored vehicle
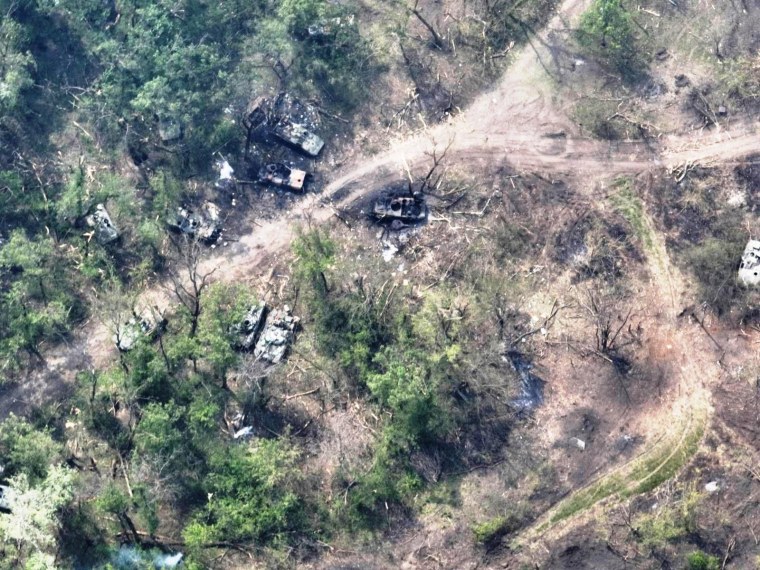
749	268
203	224
248	330
298	136
405	208
169	129
146	323
103	228
286	120
279	174
277	335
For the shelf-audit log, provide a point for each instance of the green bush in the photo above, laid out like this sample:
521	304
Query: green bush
657	529
700	561
488	533
26	450
606	31
250	496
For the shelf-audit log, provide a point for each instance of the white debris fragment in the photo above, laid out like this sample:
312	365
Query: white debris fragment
389	251
737	199
579	443
712	486
225	170
247	431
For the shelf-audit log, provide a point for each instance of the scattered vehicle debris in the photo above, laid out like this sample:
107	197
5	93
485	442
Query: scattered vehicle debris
579	443
103	228
5	499
226	180
205	225
143	324
532	387
277	335
749	269
169	130
625	442
405	208
250	327
330	27
298	136
394	239
279	174
682	81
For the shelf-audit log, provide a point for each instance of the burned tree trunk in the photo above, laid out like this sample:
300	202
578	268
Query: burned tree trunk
438	39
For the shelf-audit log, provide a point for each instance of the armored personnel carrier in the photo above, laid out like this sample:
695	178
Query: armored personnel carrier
279	174
298	136
103	228
277	335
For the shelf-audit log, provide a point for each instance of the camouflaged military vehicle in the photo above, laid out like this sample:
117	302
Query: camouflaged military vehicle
250	327
405	208
277	335
146	323
103	228
279	174
298	136
204	224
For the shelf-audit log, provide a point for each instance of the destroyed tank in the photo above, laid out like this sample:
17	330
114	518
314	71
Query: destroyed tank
248	330
279	174
749	268
204	225
103	228
277	336
407	208
298	136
